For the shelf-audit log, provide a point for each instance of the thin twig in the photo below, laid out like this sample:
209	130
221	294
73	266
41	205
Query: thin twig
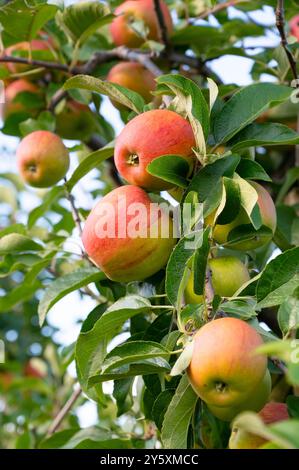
56	98
75	212
64	411
280	23
35	63
219	7
162	24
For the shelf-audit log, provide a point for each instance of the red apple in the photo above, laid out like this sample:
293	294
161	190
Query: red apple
134	76
122	27
224	370
126	236
148	136
43	159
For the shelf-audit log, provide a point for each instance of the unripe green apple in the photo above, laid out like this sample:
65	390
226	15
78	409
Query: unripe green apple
253	402
228	274
127	236
75	121
134	76
42	159
122	27
224	369
271	413
148	136
268	216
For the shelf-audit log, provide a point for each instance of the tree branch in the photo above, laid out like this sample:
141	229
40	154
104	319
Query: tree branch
280	23
64	411
162	24
221	6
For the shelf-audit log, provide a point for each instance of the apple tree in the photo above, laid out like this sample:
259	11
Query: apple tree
117	124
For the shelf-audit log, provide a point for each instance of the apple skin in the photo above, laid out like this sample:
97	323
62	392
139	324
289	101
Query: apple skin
75	121
11	92
122	257
253	402
224	370
42	159
134	76
228	274
36	45
268	215
141	10
294	26
271	413
148	136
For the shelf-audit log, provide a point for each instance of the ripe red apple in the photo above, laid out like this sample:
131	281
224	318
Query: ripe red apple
11	92
253	402
122	27
271	413
117	235
148	136
228	274
294	26
268	215
224	371
134	76
75	121
42	50
43	159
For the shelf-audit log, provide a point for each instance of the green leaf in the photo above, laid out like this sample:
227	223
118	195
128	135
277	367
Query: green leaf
160	406
232	202
171	168
128	98
291	176
81	20
178	416
207	179
122	394
245	106
248	199
288	313
45	121
17	243
133	352
133	358
91	344
40	210
30	19
180	85
251	170
62	286
89	163
279	279
239	308
88	438
177	267
264	134
183	360
200	263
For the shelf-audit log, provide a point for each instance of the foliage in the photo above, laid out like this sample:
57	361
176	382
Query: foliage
242	134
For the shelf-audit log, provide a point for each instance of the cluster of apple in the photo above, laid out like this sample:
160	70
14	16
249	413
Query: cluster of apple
224	371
